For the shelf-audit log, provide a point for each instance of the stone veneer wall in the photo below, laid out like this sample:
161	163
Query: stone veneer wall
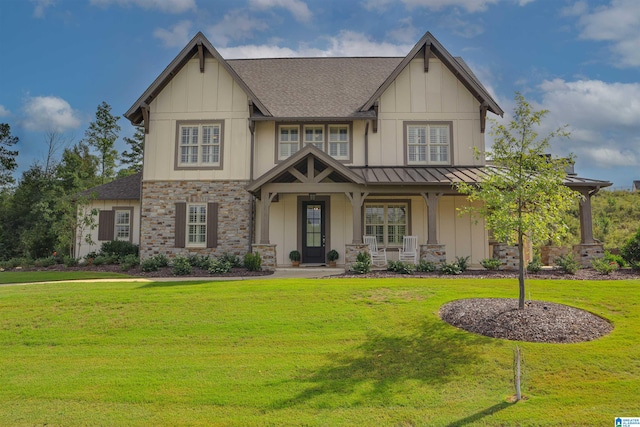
267	254
584	253
508	255
436	254
351	251
549	254
158	215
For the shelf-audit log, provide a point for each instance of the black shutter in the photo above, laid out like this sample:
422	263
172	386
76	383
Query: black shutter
106	225
181	224
212	225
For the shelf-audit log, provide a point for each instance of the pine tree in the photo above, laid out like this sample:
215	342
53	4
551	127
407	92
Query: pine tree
102	135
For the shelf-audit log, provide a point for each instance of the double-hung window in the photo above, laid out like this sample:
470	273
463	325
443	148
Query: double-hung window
199	144
428	143
314	135
339	141
197	225
387	221
122	225
288	141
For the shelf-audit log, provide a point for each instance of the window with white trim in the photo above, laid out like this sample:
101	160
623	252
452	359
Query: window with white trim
197	225
122	225
428	144
387	221
199	144
288	141
339	142
314	135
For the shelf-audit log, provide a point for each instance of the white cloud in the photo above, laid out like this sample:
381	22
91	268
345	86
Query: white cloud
603	119
576	9
3	111
297	8
235	25
40	7
168	6
178	35
468	5
46	113
346	43
617	23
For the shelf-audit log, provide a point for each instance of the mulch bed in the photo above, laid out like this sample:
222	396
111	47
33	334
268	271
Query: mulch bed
537	322
582	274
162	272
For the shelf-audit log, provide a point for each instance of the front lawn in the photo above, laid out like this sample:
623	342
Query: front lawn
303	352
7	277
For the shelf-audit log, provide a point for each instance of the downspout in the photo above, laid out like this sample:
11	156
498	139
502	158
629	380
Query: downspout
252	204
366	144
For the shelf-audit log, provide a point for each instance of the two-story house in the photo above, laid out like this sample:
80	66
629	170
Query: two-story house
310	154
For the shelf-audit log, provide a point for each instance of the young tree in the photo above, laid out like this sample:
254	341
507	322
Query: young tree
7	157
524	195
133	158
102	135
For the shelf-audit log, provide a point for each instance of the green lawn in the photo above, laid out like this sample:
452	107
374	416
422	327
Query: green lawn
303	352
7	277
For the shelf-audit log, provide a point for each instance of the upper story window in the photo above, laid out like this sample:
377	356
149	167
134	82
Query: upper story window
339	141
288	141
428	143
199	144
334	139
314	135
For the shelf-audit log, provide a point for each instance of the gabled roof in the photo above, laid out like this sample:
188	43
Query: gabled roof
198	43
127	188
321	161
458	67
338	88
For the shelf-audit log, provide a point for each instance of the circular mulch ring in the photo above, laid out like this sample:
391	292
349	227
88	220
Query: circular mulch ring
539	321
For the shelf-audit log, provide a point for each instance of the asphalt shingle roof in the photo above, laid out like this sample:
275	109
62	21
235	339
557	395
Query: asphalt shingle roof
127	188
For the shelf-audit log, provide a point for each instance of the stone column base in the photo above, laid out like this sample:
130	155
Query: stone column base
436	254
549	254
585	252
508	255
351	251
268	254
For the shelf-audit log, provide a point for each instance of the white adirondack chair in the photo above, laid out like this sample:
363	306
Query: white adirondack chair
378	256
409	250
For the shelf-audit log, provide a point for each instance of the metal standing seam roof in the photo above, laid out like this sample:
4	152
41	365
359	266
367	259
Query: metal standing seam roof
127	188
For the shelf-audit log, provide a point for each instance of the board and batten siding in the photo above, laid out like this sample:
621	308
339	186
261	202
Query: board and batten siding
195	96
434	96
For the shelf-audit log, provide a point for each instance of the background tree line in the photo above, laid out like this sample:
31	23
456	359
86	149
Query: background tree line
38	212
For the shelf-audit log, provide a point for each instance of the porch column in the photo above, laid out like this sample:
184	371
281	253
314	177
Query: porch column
266	200
357	199
586	222
431	199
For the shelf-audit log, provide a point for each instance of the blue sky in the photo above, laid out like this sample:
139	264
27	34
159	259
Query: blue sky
578	59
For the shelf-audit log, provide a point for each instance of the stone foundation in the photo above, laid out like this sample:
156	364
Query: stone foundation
549	254
508	255
351	252
158	216
436	254
268	254
584	253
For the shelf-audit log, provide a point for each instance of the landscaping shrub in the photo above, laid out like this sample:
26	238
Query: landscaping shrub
450	269
602	266
130	261
491	263
219	266
635	265
149	264
362	264
616	258
631	250
45	262
567	264
105	259
253	261
535	266
69	261
232	259
119	249
463	263
426	266
180	266
400	267
161	260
